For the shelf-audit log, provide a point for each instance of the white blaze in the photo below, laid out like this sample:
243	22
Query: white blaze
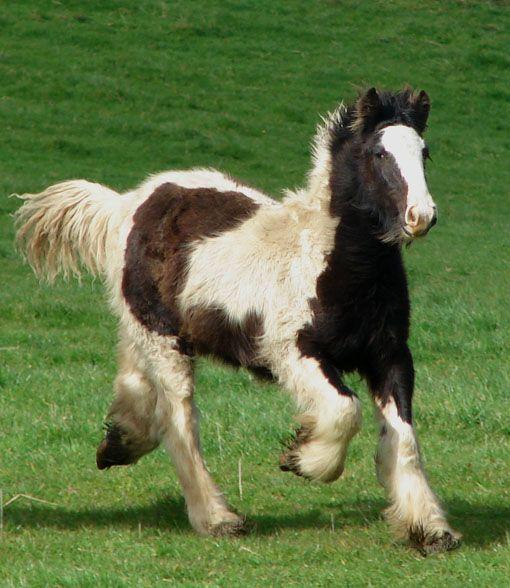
406	146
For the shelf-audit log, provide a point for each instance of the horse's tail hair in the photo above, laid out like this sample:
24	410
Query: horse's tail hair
68	227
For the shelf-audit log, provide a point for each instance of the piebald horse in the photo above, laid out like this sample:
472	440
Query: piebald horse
302	291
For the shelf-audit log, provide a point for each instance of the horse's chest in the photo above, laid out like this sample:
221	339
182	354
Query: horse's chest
359	326
362	306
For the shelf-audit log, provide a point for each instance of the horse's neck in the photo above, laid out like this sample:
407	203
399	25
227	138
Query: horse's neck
360	262
353	250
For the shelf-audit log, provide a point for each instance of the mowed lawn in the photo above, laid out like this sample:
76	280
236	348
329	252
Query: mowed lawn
112	91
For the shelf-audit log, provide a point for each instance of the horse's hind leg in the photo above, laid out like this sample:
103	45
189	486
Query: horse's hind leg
130	427
177	419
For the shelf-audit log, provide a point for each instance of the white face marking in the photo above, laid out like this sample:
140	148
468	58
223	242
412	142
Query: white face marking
406	146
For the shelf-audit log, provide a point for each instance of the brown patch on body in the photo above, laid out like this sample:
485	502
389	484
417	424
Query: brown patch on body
157	251
209	330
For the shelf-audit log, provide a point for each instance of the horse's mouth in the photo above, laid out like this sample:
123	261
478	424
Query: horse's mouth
411	236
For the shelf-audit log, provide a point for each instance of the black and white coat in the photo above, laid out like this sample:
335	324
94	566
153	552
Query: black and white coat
301	290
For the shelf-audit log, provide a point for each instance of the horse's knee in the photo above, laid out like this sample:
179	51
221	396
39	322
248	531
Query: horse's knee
320	446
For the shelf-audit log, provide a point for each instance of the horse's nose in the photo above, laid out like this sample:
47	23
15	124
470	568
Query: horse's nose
419	221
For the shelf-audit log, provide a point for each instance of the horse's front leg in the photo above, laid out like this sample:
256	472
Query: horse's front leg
330	415
415	511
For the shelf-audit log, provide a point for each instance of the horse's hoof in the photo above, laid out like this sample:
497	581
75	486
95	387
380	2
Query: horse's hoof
289	462
112	450
290	459
235	528
438	544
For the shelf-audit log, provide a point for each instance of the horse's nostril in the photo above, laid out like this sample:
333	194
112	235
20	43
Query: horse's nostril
411	217
434	220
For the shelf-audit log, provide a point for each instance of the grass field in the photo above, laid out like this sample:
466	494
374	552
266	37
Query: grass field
111	91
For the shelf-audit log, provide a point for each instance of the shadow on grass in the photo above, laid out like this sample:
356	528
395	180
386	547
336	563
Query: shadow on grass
346	515
480	524
169	513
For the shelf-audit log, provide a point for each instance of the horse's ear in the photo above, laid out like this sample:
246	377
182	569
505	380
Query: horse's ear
421	108
368	109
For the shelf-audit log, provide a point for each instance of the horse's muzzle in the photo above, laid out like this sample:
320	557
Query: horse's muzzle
419	223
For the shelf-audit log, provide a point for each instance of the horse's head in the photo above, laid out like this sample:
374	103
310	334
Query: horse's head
377	160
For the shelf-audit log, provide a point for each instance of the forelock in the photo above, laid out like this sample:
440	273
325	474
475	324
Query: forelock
346	121
394	108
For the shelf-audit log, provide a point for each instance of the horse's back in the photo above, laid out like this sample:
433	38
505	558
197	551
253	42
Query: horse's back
201	178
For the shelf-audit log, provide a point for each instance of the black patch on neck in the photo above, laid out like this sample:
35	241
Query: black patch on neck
361	310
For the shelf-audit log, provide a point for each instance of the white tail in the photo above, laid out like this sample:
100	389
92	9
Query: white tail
68	226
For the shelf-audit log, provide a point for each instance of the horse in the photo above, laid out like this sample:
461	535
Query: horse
302	290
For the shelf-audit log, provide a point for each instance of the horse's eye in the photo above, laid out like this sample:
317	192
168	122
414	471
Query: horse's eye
380	154
426	153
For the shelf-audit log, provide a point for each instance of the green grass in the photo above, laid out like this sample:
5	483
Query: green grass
111	91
